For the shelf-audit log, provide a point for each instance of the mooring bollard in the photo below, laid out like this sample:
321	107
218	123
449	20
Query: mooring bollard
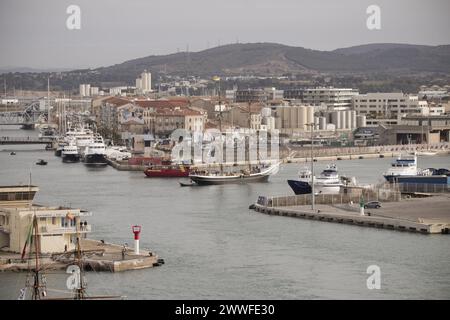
136	230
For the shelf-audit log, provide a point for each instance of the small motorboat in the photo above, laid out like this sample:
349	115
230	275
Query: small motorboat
13	153
187	184
41	162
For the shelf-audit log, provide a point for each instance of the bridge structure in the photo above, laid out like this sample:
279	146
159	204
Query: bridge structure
28	140
27	117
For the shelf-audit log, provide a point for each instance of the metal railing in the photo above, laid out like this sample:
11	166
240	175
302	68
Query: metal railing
51	230
386	195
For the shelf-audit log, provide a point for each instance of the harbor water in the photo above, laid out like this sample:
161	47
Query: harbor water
214	247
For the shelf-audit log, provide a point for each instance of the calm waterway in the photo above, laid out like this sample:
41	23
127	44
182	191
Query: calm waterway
215	248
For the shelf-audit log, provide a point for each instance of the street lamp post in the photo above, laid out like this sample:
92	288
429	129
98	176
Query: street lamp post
313	195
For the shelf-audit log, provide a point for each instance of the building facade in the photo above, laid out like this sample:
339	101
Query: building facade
389	105
55	228
332	98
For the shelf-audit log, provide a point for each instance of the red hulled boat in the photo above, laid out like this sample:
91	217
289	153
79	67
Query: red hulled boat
167	171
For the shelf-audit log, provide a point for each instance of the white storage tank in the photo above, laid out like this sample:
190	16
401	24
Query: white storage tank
335	119
361	121
322	123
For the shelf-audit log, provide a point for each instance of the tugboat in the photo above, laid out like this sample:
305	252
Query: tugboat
41	162
167	170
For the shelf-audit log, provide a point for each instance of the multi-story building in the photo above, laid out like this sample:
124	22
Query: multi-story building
254	95
55	228
293	94
163	121
144	82
332	98
389	105
85	90
251	95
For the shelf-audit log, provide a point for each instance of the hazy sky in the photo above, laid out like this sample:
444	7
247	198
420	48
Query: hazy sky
34	33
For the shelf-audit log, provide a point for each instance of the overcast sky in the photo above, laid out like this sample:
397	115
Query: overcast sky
34	33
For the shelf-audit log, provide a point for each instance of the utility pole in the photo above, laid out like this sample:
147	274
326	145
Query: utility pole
313	199
48	100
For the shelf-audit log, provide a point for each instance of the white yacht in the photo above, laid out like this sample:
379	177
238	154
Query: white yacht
95	152
70	153
328	182
404	165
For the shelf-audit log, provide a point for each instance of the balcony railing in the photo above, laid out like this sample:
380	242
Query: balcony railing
55	230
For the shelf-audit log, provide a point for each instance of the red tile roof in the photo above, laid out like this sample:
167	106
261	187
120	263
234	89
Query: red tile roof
162	103
117	101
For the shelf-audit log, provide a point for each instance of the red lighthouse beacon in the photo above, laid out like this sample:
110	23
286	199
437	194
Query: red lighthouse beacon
136	230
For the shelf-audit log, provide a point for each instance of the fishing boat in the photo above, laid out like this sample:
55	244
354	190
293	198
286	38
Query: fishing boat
302	185
258	173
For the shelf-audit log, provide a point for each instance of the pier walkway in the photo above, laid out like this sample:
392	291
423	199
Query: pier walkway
412	215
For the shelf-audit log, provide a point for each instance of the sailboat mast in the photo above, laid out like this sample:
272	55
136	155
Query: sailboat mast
80	292
36	286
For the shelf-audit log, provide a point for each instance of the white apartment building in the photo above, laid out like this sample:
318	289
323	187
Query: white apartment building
389	105
144	82
332	98
85	90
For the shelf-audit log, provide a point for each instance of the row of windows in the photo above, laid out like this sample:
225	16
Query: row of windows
9	196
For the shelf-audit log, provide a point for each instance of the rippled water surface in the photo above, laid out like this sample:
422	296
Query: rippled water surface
214	247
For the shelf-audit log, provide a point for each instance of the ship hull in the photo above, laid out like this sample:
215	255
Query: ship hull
95	160
166	173
70	158
204	180
58	152
300	187
436	179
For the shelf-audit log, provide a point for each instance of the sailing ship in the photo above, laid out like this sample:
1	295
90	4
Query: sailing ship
258	173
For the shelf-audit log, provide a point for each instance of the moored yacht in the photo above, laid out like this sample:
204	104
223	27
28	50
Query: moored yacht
94	153
70	153
328	182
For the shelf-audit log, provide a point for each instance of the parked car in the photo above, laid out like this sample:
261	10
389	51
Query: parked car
372	205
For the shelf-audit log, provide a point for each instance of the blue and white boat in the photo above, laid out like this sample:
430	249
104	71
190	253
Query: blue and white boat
328	182
404	165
